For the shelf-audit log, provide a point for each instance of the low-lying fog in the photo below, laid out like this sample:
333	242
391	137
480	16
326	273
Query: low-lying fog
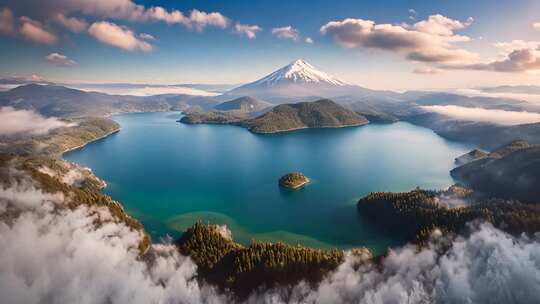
485	115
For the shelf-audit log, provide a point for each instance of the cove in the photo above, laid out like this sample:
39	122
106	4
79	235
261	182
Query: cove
170	175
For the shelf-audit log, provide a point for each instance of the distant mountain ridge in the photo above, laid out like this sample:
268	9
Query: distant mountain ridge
60	101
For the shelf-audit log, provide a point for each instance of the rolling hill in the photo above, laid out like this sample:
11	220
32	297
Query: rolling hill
323	113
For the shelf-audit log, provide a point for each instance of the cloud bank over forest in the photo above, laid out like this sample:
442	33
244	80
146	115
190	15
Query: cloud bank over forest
54	254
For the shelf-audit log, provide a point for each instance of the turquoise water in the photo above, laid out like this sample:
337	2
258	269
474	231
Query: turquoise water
169	175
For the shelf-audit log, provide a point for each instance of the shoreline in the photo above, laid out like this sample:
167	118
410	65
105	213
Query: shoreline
300	185
61	154
303	128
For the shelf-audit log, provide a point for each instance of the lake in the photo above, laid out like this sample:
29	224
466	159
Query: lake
170	175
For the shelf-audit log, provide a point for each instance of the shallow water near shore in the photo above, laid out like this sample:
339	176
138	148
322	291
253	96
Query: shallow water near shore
170	175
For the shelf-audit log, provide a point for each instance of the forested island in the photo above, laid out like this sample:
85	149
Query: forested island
293	180
323	113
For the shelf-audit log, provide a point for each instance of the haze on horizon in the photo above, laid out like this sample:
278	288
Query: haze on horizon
398	45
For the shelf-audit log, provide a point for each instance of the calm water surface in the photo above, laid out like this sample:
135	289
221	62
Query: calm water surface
170	175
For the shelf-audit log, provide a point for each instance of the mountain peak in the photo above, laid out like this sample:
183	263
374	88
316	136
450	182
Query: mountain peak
300	62
298	72
296	79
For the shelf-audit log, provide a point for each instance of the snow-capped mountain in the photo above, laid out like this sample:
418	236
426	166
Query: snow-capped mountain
299	72
297	79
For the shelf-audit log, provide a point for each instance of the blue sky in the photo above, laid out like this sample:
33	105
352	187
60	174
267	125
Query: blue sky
182	53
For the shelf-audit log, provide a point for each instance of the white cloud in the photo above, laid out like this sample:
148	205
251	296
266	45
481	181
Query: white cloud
7	21
532	98
121	37
432	40
120	10
199	20
59	60
286	32
146	36
21	122
516	45
441	25
485	115
536	26
128	10
35	32
62	256
249	31
73	24
517	56
517	61
308	40
489	266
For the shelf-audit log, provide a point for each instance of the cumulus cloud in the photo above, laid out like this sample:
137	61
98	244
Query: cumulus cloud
249	31
516	61
485	115
7	21
124	10
200	20
59	60
308	40
73	24
196	19
432	40
517	56
21	122
286	32
35	32
441	25
117	36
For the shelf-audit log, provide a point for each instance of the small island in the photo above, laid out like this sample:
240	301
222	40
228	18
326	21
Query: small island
293	180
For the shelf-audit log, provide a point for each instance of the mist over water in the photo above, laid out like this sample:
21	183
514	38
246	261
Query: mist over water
170	175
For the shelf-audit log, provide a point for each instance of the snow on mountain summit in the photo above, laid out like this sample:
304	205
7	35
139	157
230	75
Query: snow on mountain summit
295	81
298	72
